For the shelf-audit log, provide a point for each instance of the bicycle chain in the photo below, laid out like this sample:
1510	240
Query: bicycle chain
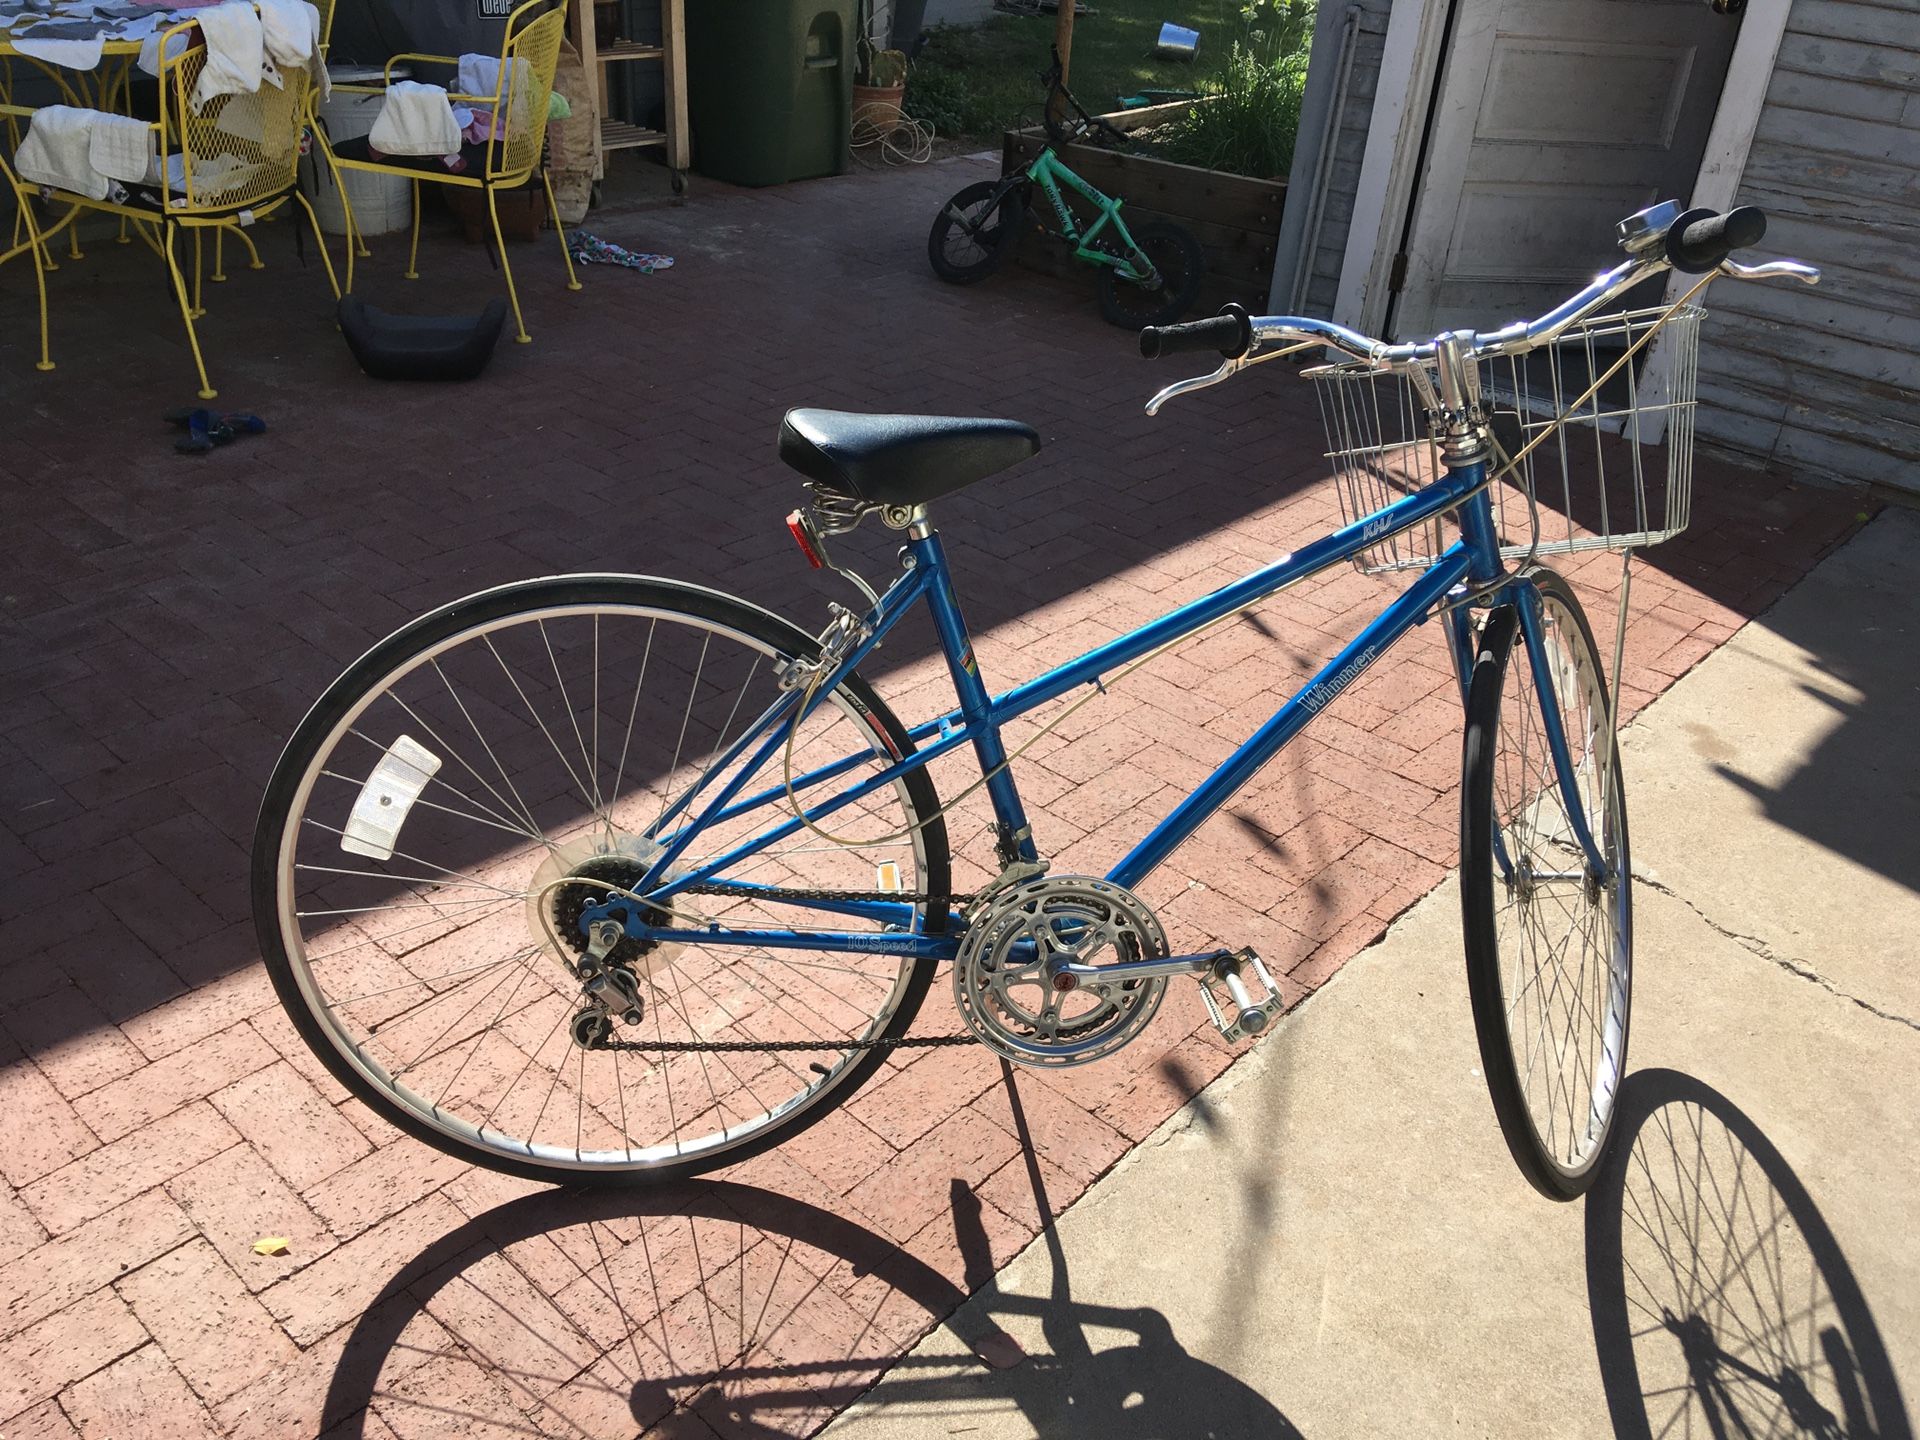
893	1042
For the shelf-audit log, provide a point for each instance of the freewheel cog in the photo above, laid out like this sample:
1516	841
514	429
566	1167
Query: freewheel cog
589	867
1013	993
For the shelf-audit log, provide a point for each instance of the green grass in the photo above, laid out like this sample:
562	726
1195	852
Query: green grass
981	81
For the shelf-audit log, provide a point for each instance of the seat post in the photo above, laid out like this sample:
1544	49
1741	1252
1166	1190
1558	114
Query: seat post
1014	836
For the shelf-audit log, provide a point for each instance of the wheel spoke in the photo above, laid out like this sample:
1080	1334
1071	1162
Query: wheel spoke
450	972
1555	942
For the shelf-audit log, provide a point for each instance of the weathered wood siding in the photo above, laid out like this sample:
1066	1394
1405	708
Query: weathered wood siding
1324	234
1827	379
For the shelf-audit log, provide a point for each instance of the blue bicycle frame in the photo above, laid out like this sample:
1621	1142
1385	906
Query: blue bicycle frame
1473	560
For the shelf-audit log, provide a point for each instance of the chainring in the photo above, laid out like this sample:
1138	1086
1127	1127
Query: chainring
1011	994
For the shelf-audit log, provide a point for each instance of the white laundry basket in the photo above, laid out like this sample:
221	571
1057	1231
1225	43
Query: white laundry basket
381	204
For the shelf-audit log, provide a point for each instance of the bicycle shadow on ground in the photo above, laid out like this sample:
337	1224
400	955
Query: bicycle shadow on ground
1722	1302
715	1308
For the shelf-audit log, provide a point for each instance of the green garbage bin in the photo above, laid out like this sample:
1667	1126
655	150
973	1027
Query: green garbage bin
770	88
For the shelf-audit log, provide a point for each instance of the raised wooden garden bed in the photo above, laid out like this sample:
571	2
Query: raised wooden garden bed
1236	219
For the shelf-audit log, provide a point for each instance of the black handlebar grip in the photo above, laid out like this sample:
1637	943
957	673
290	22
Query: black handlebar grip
1230	333
1700	239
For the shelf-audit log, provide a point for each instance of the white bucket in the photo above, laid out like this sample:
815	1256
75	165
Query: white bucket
1177	42
381	204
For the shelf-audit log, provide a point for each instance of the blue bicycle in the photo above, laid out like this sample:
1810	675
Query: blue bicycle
602	878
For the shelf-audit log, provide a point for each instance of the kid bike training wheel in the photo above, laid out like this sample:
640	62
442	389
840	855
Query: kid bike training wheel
976	230
453	802
1549	948
1180	268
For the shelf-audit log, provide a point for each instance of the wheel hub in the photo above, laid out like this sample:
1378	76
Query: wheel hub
588	873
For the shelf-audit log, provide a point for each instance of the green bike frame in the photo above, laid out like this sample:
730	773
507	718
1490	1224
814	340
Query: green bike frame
1049	172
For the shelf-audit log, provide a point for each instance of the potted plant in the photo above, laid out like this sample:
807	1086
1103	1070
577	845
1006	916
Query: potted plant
879	87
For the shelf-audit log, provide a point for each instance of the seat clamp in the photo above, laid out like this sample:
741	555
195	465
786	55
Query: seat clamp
903	517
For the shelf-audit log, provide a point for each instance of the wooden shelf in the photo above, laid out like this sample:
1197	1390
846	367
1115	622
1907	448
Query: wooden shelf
619	135
630	50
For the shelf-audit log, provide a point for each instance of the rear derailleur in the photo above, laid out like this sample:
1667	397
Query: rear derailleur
608	990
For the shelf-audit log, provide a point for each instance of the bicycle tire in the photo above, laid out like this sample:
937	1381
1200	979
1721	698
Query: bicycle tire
996	241
1182	268
1510	902
356	703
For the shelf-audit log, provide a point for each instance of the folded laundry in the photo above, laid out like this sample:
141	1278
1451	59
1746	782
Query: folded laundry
121	148
57	151
416	119
69	53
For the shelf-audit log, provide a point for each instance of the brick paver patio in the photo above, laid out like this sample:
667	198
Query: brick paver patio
165	620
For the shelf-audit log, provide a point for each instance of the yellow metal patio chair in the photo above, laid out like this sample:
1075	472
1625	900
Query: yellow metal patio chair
230	162
510	157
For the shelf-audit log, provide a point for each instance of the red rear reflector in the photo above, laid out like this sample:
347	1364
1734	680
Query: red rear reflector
798	526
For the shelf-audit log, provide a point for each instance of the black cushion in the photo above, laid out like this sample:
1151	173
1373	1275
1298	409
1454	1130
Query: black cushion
900	459
421	347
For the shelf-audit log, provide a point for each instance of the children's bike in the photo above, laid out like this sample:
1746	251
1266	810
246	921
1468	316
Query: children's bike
608	878
1148	276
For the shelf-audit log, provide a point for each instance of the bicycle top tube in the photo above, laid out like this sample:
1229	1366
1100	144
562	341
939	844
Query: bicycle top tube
1657	239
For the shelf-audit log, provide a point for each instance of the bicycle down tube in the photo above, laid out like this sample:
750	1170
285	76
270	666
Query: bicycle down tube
978	718
1049	173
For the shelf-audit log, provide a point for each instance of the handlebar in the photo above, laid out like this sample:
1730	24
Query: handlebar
1230	332
1697	242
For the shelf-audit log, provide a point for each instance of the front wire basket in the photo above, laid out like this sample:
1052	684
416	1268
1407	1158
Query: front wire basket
1597	482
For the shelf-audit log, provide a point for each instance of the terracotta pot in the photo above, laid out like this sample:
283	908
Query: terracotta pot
879	105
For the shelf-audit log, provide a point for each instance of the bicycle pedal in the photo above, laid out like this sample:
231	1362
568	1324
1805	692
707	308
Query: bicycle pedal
1240	1010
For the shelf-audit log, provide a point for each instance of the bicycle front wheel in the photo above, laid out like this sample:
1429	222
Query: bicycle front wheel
454	802
1549	943
975	231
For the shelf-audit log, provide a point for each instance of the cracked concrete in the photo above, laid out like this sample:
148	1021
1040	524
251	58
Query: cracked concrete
1331	1239
1755	945
1781	775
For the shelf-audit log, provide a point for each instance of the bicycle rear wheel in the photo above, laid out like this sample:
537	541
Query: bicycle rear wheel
1549	947
441	818
1179	267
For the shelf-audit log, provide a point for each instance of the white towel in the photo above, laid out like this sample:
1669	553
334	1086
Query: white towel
67	54
236	52
291	29
121	148
56	150
415	120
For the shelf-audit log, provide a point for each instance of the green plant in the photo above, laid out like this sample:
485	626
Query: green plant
943	99
1279	27
1249	118
880	68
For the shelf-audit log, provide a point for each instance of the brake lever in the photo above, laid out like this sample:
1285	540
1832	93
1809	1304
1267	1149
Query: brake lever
1228	368
1772	270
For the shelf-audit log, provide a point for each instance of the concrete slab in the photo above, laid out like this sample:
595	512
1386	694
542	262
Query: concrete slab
1331	1240
1780	779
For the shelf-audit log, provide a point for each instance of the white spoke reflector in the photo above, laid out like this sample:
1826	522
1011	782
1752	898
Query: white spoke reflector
382	805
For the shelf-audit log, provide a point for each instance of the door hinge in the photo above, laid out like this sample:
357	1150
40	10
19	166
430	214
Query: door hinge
1397	274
